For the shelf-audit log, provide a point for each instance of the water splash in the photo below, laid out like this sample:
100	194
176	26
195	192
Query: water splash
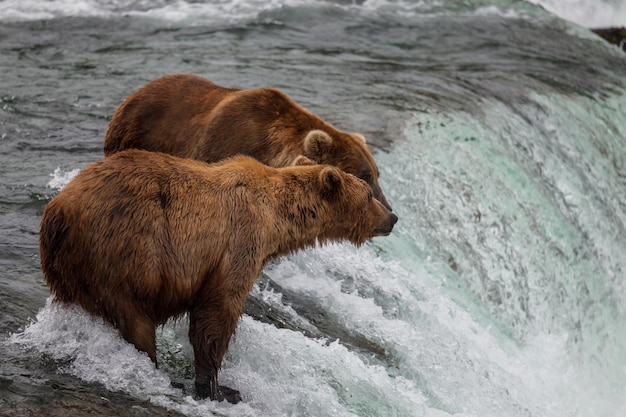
60	177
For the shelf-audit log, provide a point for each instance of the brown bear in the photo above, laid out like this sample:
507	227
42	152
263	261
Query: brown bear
191	117
140	237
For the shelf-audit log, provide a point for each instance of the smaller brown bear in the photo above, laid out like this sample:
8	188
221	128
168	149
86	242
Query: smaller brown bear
191	117
140	237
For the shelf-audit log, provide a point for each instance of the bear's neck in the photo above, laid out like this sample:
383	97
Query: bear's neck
284	154
286	143
299	224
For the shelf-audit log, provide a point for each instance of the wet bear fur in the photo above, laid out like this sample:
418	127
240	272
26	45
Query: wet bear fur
141	237
191	117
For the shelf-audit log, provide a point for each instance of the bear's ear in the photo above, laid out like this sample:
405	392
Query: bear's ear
330	181
302	160
359	136
317	143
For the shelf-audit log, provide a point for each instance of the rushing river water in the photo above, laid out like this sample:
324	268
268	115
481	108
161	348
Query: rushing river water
500	132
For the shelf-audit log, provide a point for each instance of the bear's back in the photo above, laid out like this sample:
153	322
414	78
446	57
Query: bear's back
154	218
164	115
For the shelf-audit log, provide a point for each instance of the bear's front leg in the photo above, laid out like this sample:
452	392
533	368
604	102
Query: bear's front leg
211	325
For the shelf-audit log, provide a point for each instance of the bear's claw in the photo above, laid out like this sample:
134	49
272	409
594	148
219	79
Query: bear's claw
231	395
217	392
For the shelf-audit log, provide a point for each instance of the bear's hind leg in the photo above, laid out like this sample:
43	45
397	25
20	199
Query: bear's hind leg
140	330
211	326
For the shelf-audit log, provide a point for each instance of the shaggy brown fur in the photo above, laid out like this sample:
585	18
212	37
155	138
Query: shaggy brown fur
143	236
191	117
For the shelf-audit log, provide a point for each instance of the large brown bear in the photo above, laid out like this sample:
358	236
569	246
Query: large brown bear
191	117
140	237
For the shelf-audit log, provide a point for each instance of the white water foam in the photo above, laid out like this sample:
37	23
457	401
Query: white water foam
441	361
94	352
23	10
587	13
178	10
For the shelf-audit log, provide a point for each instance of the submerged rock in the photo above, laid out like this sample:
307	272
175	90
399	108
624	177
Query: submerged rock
311	321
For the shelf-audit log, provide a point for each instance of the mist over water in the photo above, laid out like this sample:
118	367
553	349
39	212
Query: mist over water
501	146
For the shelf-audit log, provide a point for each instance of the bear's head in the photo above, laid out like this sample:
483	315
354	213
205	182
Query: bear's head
348	152
348	208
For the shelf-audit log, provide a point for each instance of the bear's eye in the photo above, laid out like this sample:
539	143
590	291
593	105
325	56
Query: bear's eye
370	196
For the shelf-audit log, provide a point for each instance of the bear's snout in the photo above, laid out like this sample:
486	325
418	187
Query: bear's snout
387	226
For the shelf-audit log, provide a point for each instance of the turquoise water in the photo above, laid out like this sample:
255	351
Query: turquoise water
499	130
534	231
